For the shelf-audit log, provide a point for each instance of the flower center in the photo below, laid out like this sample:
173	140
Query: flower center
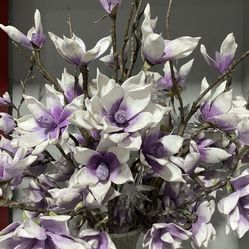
46	122
157	150
102	172
120	117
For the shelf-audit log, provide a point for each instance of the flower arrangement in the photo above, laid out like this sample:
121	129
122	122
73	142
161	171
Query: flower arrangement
130	154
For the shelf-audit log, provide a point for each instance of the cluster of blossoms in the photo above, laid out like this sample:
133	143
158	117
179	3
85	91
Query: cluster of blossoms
111	155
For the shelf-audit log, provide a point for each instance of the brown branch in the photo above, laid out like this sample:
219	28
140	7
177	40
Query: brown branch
135	49
168	19
84	71
114	45
126	39
70	23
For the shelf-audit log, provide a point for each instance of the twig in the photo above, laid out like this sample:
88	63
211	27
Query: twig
168	19
135	49
69	22
23	83
195	106
125	42
84	71
114	45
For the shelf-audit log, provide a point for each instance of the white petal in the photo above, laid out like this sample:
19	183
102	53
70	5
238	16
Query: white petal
101	46
181	47
17	36
136	100
27	123
207	58
134	82
227	204
185	69
132	142
172	143
122	154
124	176
83	155
153	47
229	46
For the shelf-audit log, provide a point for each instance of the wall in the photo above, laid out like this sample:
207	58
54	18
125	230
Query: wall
210	19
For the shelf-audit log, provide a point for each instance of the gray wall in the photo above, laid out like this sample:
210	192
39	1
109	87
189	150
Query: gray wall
210	19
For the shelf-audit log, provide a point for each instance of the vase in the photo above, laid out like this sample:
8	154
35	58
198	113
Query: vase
126	240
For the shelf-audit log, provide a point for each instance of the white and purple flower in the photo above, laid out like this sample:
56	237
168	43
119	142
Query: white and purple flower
157	150
96	239
74	49
165	235
35	37
218	109
121	111
51	232
236	205
7	123
109	5
202	229
224	58
46	125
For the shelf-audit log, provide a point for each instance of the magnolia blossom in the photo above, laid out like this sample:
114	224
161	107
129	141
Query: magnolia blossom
166	81
69	86
156	50
7	123
96	239
218	108
236	205
35	37
202	229
156	153
5	100
51	232
164	235
121	111
224	58
109	5
46	124
74	49
106	165
13	167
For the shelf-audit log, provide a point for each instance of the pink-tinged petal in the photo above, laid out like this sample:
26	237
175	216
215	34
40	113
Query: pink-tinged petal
228	121
110	127
136	100
83	155
101	46
134	82
31	230
207	58
56	224
229	46
214	155
108	5
139	122
172	144
32	139
180	47
17	36
153	48
124	176
243	132
227	204
206	210
116	137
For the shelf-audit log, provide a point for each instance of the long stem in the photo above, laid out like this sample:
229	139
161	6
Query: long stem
126	39
114	45
85	72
